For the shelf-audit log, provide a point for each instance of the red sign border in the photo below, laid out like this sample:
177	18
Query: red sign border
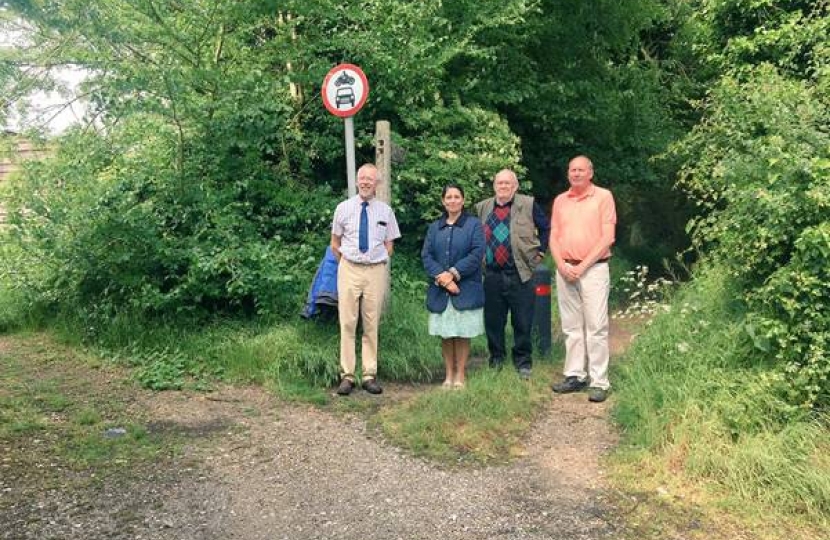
334	110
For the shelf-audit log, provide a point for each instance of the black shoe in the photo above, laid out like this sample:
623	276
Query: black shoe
570	384
345	388
598	395
496	363
372	386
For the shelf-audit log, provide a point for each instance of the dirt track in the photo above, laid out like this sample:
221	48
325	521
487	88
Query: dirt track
258	468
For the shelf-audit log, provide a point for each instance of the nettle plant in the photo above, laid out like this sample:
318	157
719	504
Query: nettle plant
793	319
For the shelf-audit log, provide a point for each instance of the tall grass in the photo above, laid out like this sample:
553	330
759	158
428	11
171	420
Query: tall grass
285	351
696	398
310	351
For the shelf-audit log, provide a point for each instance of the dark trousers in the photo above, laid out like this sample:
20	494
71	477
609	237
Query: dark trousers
505	293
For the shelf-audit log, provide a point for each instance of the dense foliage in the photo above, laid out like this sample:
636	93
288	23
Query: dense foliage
758	166
204	180
208	168
126	230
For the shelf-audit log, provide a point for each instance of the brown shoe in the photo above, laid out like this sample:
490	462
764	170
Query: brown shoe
372	386
345	388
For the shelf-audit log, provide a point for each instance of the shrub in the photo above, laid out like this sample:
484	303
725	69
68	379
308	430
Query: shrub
793	319
759	168
112	225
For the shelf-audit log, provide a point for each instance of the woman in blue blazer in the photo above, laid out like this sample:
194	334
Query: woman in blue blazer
452	255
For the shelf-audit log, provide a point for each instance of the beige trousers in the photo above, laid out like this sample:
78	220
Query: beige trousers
583	308
353	282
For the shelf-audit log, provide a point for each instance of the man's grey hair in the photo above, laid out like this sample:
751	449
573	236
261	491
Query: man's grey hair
508	171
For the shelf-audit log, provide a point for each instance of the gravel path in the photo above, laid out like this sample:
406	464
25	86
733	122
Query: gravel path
276	471
299	473
262	469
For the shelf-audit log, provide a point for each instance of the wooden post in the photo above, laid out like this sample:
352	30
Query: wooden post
383	160
383	191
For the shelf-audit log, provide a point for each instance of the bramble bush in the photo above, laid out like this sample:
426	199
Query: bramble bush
759	169
793	319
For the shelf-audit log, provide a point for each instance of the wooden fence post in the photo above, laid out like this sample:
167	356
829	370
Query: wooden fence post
383	161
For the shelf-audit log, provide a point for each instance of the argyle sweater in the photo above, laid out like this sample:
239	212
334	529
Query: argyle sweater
497	236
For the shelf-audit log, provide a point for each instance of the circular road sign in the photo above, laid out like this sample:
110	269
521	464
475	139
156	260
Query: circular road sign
345	90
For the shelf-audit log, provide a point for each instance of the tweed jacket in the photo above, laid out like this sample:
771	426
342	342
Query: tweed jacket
524	240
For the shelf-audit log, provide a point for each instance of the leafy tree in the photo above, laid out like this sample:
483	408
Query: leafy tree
757	166
574	80
409	51
181	202
220	100
205	190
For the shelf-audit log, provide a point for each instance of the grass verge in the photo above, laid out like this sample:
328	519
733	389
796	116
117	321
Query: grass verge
704	430
298	358
482	424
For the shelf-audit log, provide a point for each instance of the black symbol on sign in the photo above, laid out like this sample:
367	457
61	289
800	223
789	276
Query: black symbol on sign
344	95
344	78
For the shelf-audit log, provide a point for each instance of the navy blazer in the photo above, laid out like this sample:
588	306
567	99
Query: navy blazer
460	245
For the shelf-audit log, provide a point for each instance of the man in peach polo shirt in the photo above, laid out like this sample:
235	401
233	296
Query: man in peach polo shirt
582	233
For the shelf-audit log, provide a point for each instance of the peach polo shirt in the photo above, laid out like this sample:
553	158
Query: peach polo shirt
577	221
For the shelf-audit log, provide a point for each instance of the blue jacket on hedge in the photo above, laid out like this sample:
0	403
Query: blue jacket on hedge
460	245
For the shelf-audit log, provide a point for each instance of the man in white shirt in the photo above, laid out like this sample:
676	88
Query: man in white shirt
363	233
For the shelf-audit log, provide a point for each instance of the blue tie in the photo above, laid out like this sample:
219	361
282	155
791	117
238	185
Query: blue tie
363	232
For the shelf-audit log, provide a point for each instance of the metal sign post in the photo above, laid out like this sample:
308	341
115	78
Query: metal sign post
350	164
345	90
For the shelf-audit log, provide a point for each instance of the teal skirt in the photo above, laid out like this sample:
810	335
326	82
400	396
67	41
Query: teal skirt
453	323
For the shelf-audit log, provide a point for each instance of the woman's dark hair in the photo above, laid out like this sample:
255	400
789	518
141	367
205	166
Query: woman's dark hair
451	185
